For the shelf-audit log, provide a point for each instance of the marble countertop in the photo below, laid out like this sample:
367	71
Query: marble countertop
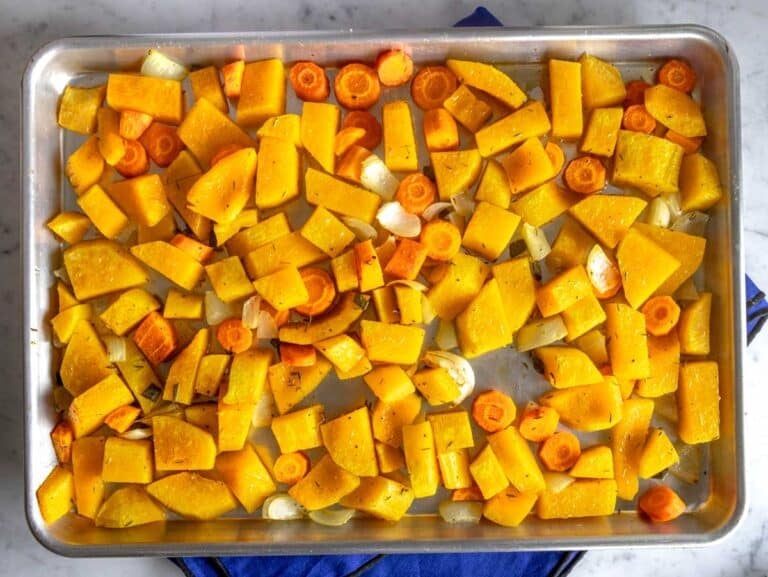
28	24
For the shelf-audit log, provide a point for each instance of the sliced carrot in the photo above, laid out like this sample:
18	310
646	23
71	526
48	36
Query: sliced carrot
367	121
394	67
202	253
560	451
233	78
356	86
134	162
162	143
133	124
309	81
234	336
321	289
291	468
225	151
585	174
298	355
156	337
416	192
661	504
62	437
603	273
407	260
556	156
122	418
440	130
281	317
471	493
661	315
441	238
432	85
538	423
638	119
493	411
347	137
636	92
678	75
350	166
690	145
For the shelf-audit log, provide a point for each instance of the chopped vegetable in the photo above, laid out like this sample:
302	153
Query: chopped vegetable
461	511
133	124
375	176
394	67
603	273
585	174
431	86
367	121
493	411
394	218
678	75
415	193
321	289
234	336
356	86
309	81
162	143
162	66
661	504
560	451
441	239
290	468
661	315
635	92
637	119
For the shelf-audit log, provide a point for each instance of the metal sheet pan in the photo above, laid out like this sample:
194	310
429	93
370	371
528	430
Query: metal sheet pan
719	498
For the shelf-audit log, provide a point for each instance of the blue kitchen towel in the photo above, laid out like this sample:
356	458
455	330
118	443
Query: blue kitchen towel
757	310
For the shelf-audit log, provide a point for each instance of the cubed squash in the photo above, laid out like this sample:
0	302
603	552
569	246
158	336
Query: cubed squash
206	130
582	498
229	281
163	230
221	193
406	260
178	180
518	290
206	84
454	291
129	507
127	461
454	469
494	186
277	173
344	272
455	171
583	316
602	131
601	82
319	123
342	350
389	383
489	79
85	165
698	402
587	408
78	107
389	458
121	419
675	109
55	494
484	326
85	361
161	98
339	196
471	112
544	203
694	326
128	310
388	419
385	304
105	215
686	248
409	304
349	441
171	262
664	359
608	216
627	442
489	230
368	266
89	409
182	374
87	464
285	126
594	463
247	376
658	454
421	459
436	385
565	98
488	473
571	247
291	249
262	92
69	226
627	342
327	232
527	166
112	146
290	385
700	186
210	373
246	476
380	497
325	485
140	377
391	343
529	121
400	153
224	231
64	323
593	343
180	446
258	235
203	415
234	422
644	266
179	305
564	291
509	507
452	431
517	460
299	430
440	130
142	198
647	162
283	289
193	496
567	367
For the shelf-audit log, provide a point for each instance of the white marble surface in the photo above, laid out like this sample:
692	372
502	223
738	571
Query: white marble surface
27	24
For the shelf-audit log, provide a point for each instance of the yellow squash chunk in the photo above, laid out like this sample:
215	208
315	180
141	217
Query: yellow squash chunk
455	171
247	376
380	497
127	461
277	175
234	422
283	289
193	496
180	382
452	431
421	459
129	507
246	476
410	305
644	266
342	350
698	402
484	326
171	262
589	407
291	385
105	215
658	454
299	430
494	186
700	186
488	473
627	342
85	165
608	216
140	377
454	469
221	193
344	271
111	145
582	498
180	446
319	123
210	372
285	126
518	290
664	358
163	230
178	179
247	218
389	458
594	463
129	310
206	130
337	321
362	367
568	367
647	162
686	248
89	409
64	323
544	203
291	249
55	494
527	166
327	232
388	419
203	415
627	442
229	280
142	198
179	305
436	385
206	84
471	112
122	418
489	230
564	291
161	98
463	280
517	460
602	131
368	266
325	485
565	98
391	343
78	108
70	226
571	247
509	508
87	464
693	328
389	383
528	122
489	79
583	316
400	153
676	110
601	83
349	441
340	197
262	94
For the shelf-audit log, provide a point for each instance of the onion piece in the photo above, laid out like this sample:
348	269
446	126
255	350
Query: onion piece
436	209
115	348
556	482
412	284
363	230
428	313
61	274
536	241
394	218
332	517
463	204
694	223
251	310
673	203
267	327
137	434
217	311
603	273
459	369
460	511
540	333
263	410
659	213
282	507
457	220
688	468
377	177
446	337
159	65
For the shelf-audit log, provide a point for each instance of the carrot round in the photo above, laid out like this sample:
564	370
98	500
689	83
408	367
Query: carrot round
162	143
345	138
416	192
471	493
356	86
367	121
661	315
394	67
637	118
298	355
538	423
556	156
441	239
678	74
636	92
134	162
350	166
432	85
690	144
321	289
133	124
234	336
225	151
585	174
661	504
309	81
493	411
291	468
560	451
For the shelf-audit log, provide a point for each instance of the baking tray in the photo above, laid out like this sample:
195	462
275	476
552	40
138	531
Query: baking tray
719	497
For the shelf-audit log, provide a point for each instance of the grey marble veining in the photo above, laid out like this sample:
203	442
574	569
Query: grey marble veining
28	24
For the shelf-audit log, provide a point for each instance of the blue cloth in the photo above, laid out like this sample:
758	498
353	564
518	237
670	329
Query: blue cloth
757	310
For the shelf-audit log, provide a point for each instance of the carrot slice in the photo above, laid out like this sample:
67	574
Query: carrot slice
603	273
291	468
432	85
133	124
134	162
560	451
347	137
156	337
538	423
440	130
471	493
661	504
690	145
281	317
678	74
162	143
350	166
556	156
441	238
635	92
309	81
233	78
356	86
407	260
638	119
416	192
394	67
493	411
321	289
225	151
298	355
367	121
661	315
585	174
197	250
234	336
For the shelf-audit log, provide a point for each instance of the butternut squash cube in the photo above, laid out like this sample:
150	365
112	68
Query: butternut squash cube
594	463
85	165
277	174
319	124
289	250
179	305
608	216
565	98
571	247
587	408
283	289
389	458
494	186
291	385
676	110
206	84
686	248
517	460
203	415
627	342
206	130
70	226
112	146
247	218
193	496
527	166
121	419
228	278
658	454
246	476
693	328
262	93
344	272
140	377
568	367
362	367
409	304
247	376
489	79
339	196
142	198
178	180
488	473
455	171
647	162
698	402
463	280
389	383
627	442
400	153
484	326
258	235
182	374
564	291
127	461
285	126
452	431
644	266
518	290
509	507
221	193
129	507
593	344
349	441
210	373
582	498
601	82
544	203
388	419
105	215
436	385
380	497
89	409
529	122
489	230
664	359
602	131
342	350
325	485
583	316
421	459
87	464
471	112
299	430
700	186
180	446
161	98
129	310
171	262
78	107
234	422
55	494
454	469
390	343
85	361
64	323
327	232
